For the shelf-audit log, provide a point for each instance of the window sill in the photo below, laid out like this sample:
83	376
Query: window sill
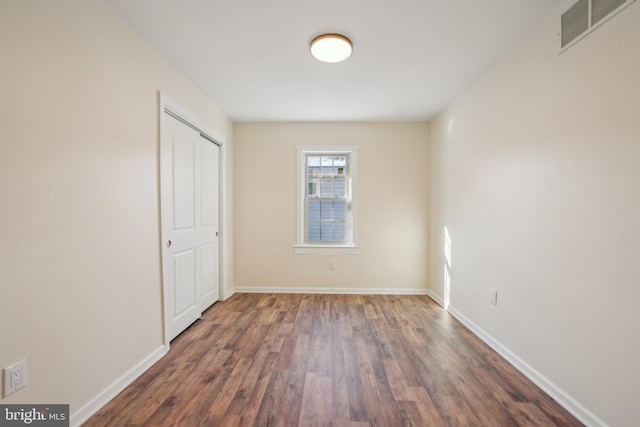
326	250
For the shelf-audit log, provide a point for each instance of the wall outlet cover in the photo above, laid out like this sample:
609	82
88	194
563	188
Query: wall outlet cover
15	377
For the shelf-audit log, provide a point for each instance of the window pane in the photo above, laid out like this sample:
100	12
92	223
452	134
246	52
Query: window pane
339	231
314	231
314	210
313	172
326	210
326	190
340	161
313	161
340	210
340	186
326	161
326	234
327	166
313	175
313	186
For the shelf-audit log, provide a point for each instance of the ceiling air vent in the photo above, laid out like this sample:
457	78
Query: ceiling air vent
584	16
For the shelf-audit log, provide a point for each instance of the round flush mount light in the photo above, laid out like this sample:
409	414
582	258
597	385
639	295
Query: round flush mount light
331	48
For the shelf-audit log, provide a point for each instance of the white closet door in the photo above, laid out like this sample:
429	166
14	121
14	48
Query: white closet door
209	224
189	206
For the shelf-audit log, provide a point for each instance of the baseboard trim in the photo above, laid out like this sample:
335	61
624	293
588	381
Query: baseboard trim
435	297
94	405
342	291
559	395
228	294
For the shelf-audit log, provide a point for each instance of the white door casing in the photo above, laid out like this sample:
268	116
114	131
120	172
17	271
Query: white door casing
190	221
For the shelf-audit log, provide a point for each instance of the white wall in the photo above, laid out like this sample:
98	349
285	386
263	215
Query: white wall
535	173
80	254
392	198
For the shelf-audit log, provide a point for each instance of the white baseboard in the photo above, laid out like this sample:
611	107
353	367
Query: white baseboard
559	395
341	291
435	297
228	294
94	405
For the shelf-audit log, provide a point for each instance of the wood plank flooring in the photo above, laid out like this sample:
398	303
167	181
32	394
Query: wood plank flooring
330	360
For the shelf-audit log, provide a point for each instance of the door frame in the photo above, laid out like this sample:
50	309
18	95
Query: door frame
167	105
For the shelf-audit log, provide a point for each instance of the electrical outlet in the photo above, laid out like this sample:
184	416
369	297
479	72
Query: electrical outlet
15	377
493	300
332	265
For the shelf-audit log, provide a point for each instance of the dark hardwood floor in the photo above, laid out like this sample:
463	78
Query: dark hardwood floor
330	360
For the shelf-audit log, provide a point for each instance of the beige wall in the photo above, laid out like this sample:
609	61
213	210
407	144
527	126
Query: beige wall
533	170
392	197
535	173
80	254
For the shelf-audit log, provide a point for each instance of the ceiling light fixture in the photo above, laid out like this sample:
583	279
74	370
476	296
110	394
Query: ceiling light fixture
331	48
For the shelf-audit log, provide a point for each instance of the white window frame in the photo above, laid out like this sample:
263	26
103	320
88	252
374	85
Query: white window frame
349	247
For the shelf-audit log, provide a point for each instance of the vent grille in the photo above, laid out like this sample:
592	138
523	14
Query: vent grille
601	8
575	21
585	16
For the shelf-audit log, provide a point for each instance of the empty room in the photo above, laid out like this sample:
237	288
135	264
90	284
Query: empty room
339	213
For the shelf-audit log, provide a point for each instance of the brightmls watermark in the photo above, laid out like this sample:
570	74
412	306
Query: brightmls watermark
34	415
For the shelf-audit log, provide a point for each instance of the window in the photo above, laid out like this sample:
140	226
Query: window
326	199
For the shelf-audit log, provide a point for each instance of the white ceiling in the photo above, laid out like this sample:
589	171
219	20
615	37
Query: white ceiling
411	57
